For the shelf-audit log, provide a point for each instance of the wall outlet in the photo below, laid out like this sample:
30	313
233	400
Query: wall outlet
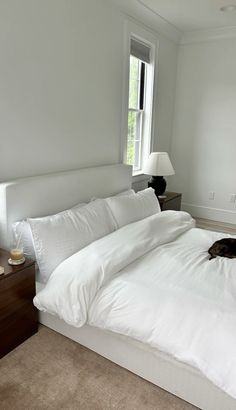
233	198
211	195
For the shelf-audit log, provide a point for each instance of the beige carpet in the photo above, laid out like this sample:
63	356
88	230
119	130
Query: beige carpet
49	371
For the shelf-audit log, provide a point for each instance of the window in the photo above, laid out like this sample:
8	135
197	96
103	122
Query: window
135	111
141	70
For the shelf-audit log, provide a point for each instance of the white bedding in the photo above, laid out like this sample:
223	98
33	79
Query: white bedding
152	280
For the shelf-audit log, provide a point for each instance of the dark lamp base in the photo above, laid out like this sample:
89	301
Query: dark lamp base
158	184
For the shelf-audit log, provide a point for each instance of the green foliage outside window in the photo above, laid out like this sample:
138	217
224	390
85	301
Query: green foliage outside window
131	138
133	124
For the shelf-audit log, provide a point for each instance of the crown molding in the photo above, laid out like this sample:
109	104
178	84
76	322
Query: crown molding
142	13
136	9
200	36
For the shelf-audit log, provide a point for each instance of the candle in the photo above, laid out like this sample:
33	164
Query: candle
16	254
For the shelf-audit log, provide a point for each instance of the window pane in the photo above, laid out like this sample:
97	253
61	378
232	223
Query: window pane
134	82
134	138
141	76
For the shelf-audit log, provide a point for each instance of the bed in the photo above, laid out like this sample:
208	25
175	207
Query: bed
44	195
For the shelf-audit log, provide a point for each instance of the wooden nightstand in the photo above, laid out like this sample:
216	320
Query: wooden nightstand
171	201
18	316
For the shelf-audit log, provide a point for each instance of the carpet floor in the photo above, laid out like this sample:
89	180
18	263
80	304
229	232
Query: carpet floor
51	372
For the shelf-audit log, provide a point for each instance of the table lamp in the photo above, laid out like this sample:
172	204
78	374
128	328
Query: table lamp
158	165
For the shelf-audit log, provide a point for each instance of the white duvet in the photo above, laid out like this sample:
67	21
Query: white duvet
152	280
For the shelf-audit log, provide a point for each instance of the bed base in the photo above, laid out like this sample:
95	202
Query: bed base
48	194
150	364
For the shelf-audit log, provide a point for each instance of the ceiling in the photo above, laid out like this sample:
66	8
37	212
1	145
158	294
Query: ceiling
192	15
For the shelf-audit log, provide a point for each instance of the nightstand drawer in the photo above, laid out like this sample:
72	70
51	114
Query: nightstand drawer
16	328
17	291
18	316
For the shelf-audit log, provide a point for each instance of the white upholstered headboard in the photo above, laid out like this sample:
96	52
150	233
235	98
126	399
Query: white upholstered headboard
48	194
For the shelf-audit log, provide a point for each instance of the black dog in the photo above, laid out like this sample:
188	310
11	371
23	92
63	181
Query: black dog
224	247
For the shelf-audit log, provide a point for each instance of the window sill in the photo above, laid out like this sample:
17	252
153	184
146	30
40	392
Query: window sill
139	176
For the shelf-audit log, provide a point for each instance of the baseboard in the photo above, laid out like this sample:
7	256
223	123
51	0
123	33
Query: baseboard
214	214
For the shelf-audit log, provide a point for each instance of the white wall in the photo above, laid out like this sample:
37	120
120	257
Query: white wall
166	84
61	85
203	147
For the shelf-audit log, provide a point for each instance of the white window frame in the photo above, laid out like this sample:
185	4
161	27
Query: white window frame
132	30
141	113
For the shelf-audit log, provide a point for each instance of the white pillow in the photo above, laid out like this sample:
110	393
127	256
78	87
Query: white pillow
131	208
59	236
22	235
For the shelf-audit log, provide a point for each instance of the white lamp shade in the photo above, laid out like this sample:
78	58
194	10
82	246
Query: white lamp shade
158	164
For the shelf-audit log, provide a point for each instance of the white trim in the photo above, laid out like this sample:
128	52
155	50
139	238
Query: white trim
149	97
161	369
155	94
140	175
135	110
200	36
132	30
216	214
125	92
142	14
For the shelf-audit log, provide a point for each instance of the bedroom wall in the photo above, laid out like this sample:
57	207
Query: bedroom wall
166	85
203	148
61	82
